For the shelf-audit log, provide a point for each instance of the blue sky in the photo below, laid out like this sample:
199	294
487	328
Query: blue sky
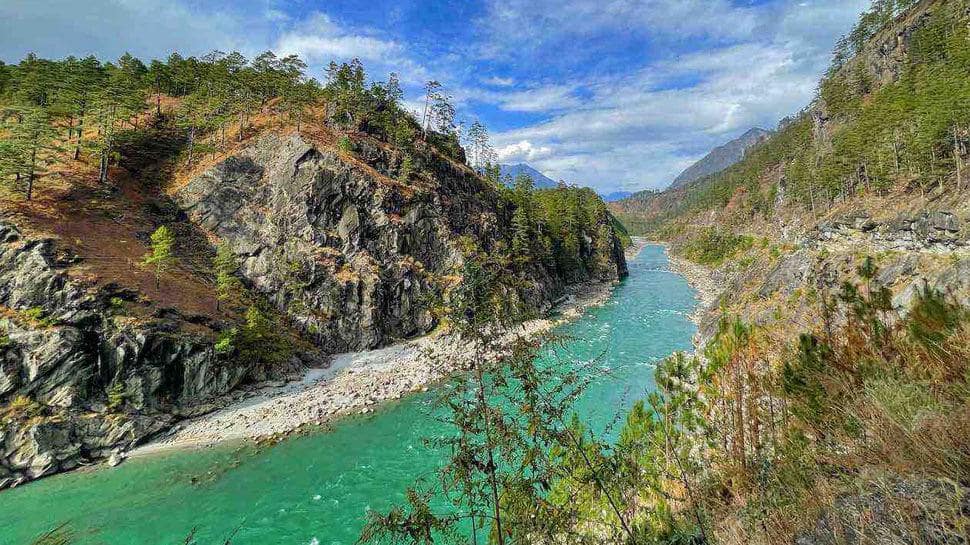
612	94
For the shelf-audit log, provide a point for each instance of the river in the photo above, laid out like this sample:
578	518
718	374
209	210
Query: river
316	489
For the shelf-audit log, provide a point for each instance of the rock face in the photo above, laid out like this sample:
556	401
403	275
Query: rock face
936	231
351	253
62	349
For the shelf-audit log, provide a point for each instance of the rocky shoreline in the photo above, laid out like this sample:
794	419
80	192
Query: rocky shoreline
357	382
700	278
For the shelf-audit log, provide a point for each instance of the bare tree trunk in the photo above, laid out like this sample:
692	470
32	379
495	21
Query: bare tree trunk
957	157
30	173
80	131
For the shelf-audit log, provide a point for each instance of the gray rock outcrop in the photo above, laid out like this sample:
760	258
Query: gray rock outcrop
350	253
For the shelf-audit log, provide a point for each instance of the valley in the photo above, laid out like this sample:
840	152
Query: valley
252	299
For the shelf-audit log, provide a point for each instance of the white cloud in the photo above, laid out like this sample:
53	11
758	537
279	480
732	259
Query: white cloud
522	151
109	28
496	81
640	129
321	40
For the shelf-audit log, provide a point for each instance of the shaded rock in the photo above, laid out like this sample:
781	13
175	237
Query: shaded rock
901	511
351	255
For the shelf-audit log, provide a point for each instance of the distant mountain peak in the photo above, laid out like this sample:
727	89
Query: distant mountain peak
721	157
539	179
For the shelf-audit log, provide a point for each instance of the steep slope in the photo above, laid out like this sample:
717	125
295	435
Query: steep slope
354	255
838	253
720	157
642	210
336	251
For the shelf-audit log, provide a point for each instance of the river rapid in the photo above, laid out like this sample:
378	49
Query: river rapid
317	488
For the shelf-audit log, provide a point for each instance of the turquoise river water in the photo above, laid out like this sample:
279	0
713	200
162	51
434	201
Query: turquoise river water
316	489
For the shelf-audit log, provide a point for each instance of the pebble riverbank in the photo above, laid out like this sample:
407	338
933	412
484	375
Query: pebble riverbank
357	382
700	278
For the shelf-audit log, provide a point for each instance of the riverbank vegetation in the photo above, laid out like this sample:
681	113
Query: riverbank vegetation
857	428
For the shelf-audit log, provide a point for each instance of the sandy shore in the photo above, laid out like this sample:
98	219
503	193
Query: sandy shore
356	382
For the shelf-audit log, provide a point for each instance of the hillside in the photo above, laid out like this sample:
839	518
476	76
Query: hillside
187	247
828	400
639	209
720	157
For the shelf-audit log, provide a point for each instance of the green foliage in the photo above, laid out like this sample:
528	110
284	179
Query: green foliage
39	316
162	257
407	169
229	288
117	395
571	230
711	246
346	145
20	409
934	319
29	148
259	342
226	343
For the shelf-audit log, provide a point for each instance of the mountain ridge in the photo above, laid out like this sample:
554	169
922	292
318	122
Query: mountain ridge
721	157
509	173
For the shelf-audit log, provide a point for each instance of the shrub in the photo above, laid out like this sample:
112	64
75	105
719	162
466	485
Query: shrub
407	168
117	395
711	246
39	316
21	408
226	343
345	144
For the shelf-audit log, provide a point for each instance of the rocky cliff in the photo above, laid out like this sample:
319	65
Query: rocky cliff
81	375
351	252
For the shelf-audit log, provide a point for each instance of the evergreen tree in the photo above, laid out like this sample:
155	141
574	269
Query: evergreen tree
161	258
226	265
31	146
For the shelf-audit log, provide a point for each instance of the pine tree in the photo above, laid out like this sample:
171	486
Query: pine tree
31	146
161	258
521	234
226	265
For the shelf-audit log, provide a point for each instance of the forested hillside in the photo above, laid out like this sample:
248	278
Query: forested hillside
828	399
175	230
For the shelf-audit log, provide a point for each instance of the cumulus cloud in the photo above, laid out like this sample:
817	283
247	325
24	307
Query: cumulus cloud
319	39
522	151
640	128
